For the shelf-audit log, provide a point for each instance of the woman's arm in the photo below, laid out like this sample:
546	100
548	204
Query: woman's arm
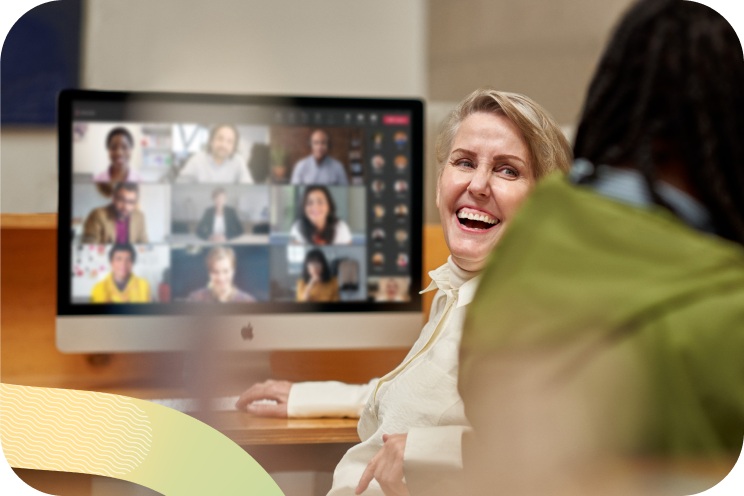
306	399
303	290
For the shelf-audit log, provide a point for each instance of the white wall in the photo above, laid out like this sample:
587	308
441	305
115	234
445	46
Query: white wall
322	47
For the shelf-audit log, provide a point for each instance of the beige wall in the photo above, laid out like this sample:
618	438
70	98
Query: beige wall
546	49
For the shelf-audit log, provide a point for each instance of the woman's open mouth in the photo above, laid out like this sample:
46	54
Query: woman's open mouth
476	220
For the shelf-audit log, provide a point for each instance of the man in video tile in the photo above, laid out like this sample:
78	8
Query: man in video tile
118	222
319	167
221	162
120	285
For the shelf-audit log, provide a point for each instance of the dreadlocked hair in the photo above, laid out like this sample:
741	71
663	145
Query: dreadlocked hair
672	76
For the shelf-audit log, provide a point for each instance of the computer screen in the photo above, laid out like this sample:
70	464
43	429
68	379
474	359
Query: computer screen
292	222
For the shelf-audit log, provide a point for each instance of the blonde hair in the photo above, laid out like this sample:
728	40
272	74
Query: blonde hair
219	252
549	148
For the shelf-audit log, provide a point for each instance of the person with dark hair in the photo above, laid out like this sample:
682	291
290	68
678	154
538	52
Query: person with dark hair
120	285
624	329
118	222
221	265
119	143
317	283
319	167
220	222
221	162
317	223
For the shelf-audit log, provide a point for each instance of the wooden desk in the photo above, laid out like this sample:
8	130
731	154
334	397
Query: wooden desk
247	430
280	445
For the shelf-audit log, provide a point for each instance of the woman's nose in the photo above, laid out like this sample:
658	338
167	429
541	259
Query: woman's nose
479	182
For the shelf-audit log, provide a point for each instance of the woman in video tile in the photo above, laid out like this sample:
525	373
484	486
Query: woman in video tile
219	222
119	143
393	289
317	223
220	288
317	282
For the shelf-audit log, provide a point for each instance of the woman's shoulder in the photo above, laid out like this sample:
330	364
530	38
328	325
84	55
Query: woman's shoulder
242	296
133	176
201	294
343	233
102	177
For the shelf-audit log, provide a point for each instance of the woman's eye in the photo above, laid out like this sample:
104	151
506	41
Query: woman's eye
508	171
465	163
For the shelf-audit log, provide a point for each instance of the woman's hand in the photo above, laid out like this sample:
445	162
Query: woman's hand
387	467
314	279
270	390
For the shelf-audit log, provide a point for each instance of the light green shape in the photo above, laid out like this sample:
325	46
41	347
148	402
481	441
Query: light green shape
188	457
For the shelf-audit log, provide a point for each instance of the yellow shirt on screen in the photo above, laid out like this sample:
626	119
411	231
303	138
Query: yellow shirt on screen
322	291
137	290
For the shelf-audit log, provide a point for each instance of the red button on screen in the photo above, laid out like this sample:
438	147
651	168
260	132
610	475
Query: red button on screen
396	120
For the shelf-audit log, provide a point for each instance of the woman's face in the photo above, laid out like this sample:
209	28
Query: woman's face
391	288
314	269
219	200
221	274
119	150
317	208
222	144
486	176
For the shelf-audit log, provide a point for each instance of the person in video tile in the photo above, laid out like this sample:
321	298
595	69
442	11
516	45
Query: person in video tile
317	223
220	222
119	143
118	222
221	265
316	283
393	289
120	285
221	163
319	167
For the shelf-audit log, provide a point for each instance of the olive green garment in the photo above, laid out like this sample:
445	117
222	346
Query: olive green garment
577	267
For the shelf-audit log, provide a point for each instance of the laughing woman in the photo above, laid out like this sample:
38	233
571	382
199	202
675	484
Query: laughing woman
492	150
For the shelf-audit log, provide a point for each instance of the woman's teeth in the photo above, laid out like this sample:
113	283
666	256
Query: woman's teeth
476	221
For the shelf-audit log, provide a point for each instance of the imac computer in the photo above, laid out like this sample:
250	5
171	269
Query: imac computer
264	222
